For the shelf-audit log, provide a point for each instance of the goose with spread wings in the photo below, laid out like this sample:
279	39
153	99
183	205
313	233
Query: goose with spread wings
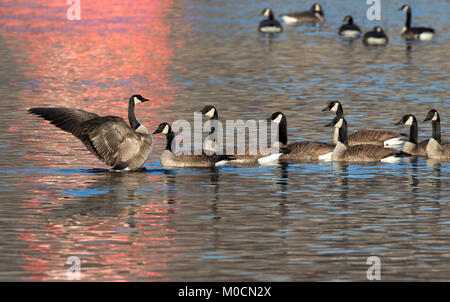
109	138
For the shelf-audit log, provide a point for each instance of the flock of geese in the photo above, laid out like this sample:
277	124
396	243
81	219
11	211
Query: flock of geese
127	147
349	29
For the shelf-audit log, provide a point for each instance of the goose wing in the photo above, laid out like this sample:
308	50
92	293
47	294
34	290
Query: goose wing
370	152
66	119
308	150
116	143
370	136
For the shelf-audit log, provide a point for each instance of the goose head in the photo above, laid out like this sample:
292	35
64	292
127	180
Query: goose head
333	106
209	111
163	128
316	8
407	120
267	12
378	29
137	98
348	19
405	8
432	115
277	118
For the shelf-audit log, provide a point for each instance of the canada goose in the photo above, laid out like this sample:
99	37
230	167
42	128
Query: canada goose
269	25
170	159
412	146
360	153
349	29
211	112
245	158
436	149
375	37
366	136
315	15
300	151
415	33
108	137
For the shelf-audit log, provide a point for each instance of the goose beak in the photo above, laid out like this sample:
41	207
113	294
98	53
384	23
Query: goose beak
400	122
145	100
426	119
156	131
326	109
329	124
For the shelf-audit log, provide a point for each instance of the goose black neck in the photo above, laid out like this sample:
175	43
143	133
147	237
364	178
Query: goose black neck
282	131
350	21
214	119
339	112
169	136
131	117
343	134
270	17
437	130
414	133
408	19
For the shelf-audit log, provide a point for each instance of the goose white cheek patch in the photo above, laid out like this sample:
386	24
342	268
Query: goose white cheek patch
409	121
210	113
136	100
165	130
278	119
335	107
435	117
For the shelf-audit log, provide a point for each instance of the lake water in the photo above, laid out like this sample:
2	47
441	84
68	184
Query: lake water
291	222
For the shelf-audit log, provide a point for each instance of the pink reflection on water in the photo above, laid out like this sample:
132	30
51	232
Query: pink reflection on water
118	48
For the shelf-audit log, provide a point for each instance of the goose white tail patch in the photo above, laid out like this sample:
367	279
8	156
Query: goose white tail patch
350	33
427	36
289	20
326	156
270	159
391	159
376	41
270	29
394	142
222	163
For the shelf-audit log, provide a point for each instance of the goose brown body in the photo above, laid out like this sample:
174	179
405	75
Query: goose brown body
109	138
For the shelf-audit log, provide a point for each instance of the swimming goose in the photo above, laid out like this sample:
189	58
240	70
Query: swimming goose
247	157
108	137
360	153
415	33
269	25
367	136
315	15
210	142
349	29
436	148
170	159
375	37
301	151
412	146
